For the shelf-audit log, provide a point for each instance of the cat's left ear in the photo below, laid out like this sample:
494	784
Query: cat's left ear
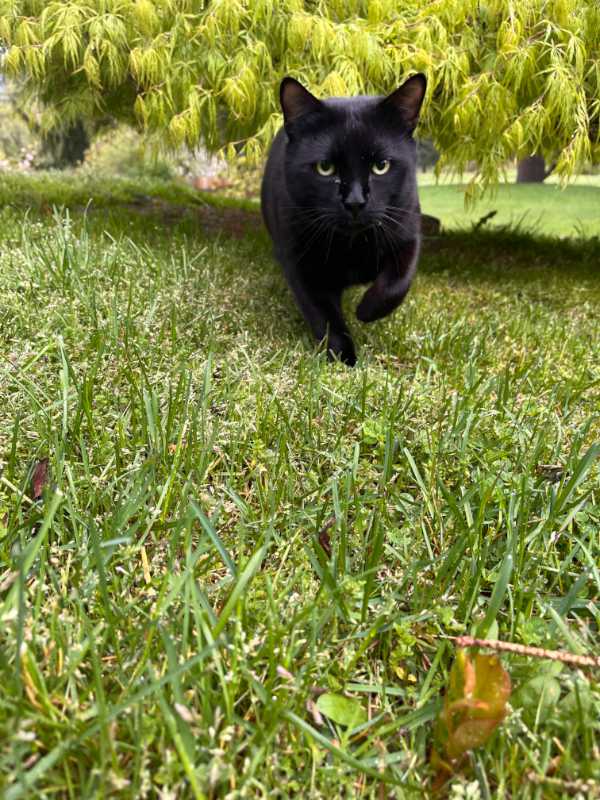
406	101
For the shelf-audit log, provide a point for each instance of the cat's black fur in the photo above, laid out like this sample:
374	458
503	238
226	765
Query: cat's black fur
330	232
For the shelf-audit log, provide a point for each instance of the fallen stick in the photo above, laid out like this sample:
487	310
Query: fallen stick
524	650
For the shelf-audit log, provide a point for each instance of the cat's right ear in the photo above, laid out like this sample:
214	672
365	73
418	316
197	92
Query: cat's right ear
296	101
406	101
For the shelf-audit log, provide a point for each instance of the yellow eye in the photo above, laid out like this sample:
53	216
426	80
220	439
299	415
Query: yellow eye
325	168
380	167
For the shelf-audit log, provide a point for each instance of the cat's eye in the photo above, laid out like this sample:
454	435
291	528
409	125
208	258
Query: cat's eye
325	168
380	167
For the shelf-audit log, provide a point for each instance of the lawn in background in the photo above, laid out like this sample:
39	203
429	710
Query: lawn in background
546	209
230	525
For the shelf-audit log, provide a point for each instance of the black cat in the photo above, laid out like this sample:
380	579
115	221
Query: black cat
339	198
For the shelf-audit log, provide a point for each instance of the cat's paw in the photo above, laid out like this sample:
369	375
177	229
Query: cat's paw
369	309
346	356
341	348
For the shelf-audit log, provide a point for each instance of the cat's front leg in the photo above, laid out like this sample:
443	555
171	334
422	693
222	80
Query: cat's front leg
389	288
322	309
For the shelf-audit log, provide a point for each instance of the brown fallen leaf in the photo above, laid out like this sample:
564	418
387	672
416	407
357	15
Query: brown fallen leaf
39	478
325	538
474	706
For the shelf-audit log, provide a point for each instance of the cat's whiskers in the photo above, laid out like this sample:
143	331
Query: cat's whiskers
314	215
398	223
388	239
400	214
308	210
316	227
330	242
403	218
377	232
389	234
403	210
308	217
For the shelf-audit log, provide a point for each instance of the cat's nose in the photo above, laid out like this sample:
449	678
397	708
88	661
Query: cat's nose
355	200
354	206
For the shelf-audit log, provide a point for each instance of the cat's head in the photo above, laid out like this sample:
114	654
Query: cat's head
353	158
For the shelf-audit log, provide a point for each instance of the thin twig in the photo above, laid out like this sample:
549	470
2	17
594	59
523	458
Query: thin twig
590	788
524	650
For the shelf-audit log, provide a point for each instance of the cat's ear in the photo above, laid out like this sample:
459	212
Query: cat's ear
406	101
296	100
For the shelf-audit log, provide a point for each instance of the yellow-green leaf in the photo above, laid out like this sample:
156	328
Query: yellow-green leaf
345	711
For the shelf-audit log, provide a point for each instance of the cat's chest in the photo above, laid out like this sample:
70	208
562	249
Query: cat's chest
339	260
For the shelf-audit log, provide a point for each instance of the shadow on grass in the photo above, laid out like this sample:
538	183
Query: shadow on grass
494	253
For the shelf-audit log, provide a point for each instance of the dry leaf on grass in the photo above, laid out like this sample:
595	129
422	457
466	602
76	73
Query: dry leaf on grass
474	706
39	478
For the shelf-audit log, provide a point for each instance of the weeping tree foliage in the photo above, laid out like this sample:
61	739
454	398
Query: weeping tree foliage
64	145
506	78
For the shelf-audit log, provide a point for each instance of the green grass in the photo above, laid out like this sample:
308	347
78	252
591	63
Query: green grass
538	208
198	445
44	190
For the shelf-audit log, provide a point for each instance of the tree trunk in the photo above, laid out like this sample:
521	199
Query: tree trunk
531	170
66	147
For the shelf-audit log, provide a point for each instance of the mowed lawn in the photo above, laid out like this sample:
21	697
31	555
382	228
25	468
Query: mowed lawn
227	525
544	209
